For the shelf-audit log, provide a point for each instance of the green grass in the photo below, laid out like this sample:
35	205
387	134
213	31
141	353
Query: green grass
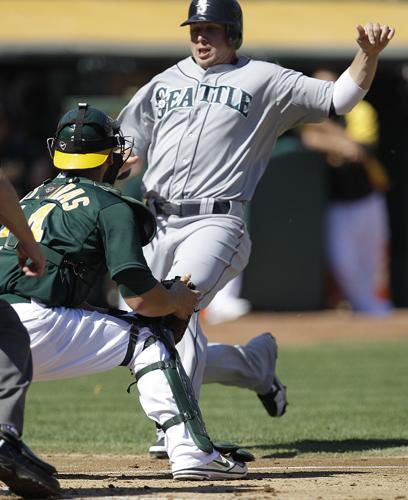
344	398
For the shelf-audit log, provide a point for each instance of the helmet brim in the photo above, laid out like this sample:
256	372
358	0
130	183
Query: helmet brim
188	21
72	161
204	19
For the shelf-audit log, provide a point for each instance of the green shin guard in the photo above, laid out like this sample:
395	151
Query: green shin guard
186	402
182	391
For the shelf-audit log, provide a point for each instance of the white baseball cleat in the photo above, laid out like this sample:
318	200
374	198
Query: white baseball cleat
220	468
158	449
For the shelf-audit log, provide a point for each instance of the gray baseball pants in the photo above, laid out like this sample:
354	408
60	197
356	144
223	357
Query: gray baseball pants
16	367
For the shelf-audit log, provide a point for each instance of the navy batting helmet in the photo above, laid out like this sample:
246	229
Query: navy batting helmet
226	12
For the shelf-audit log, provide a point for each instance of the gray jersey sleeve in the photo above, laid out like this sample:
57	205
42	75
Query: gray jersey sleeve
300	98
137	120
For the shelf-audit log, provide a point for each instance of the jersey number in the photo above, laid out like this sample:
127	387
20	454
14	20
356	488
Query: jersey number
36	222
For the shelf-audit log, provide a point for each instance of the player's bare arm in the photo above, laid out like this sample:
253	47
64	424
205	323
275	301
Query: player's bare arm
160	301
372	40
354	83
13	218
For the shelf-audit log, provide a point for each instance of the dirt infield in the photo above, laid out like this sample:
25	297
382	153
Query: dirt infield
312	327
268	478
130	477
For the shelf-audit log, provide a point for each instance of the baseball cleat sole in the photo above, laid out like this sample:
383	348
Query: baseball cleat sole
23	482
221	468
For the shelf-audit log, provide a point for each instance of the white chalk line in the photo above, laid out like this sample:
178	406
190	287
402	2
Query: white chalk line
250	469
329	467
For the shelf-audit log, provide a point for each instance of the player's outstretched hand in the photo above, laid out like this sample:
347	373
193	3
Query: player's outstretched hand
32	251
374	37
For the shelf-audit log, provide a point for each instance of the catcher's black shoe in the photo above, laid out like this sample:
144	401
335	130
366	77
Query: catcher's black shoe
275	401
23	472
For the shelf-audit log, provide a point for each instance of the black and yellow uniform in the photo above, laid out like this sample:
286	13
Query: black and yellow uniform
85	228
350	181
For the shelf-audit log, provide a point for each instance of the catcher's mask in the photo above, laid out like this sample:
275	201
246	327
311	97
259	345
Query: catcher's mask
227	12
85	138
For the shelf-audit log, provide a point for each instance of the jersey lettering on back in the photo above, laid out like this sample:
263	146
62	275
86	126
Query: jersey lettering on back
235	98
68	197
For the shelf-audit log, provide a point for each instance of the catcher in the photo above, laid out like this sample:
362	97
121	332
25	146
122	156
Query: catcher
86	228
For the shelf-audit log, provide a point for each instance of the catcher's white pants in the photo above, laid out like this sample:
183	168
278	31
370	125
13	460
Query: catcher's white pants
69	343
214	249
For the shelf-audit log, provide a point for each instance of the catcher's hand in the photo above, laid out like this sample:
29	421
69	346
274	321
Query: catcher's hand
177	325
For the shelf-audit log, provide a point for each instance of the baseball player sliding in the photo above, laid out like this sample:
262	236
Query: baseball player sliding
206	128
84	228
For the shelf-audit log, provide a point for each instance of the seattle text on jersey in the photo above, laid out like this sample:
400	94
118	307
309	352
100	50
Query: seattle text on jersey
168	100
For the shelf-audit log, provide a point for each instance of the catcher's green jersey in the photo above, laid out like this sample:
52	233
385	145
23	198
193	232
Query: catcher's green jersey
85	229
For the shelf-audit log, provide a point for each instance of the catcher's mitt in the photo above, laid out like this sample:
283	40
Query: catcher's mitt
176	325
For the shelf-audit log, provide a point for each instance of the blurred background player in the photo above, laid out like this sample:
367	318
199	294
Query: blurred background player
24	473
206	128
356	223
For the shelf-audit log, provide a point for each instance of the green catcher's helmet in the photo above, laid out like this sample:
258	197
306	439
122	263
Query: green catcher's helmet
84	139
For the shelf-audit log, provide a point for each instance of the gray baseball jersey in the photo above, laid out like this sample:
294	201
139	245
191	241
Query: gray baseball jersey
210	133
